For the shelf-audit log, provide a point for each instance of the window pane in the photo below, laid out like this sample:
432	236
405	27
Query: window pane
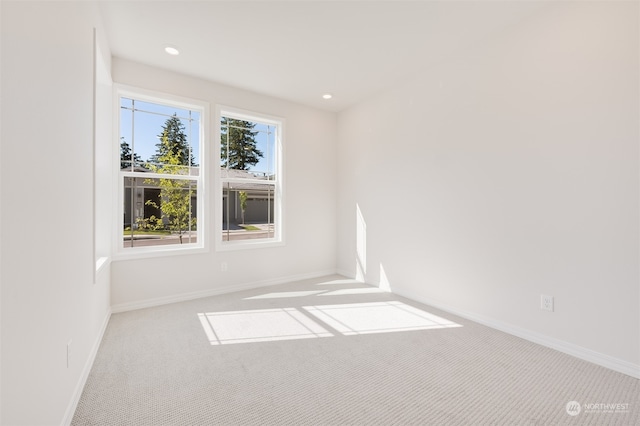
248	147
126	103
248	211
159	212
156	135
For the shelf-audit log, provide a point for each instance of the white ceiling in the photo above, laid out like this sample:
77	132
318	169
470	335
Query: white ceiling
300	50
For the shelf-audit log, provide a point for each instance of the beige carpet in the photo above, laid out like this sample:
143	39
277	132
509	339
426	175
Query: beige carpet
332	352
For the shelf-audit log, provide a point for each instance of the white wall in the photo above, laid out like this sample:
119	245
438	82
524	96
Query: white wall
48	291
310	219
510	173
104	196
1	236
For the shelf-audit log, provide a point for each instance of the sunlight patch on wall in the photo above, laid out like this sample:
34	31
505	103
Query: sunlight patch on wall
361	245
384	285
262	325
377	317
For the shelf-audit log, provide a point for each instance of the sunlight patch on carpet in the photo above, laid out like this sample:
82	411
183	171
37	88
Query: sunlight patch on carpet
267	325
262	325
377	317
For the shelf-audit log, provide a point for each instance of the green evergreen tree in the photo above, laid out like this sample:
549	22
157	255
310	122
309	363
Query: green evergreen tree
126	156
238	144
173	143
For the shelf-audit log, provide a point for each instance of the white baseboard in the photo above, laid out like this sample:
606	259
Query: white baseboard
131	306
347	274
585	354
77	393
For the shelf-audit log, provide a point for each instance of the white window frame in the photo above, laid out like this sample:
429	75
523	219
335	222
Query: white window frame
279	208
203	193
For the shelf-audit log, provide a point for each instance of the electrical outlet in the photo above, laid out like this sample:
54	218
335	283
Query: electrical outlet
546	303
69	353
224	266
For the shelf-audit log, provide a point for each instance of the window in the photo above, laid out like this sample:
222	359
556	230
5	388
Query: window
161	171
250	179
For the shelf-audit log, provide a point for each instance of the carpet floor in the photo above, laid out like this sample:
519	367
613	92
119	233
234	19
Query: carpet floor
332	351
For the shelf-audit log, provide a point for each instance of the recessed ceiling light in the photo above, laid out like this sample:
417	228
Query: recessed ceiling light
327	96
171	50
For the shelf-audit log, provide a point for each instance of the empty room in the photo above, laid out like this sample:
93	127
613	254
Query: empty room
320	213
